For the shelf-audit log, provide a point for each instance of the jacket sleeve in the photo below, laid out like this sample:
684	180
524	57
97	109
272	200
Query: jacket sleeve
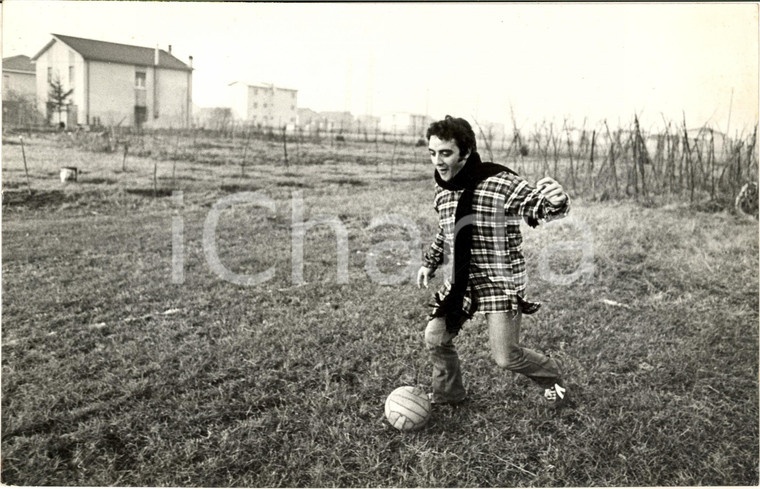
433	257
526	201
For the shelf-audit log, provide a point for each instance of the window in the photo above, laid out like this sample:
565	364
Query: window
71	76
50	74
140	79
255	105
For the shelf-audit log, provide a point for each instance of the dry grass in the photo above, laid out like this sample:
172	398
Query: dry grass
112	375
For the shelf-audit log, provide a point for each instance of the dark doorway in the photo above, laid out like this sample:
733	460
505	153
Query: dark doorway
141	115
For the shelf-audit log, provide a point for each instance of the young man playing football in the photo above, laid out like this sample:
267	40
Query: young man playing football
480	206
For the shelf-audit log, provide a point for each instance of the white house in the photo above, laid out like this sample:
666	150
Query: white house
264	104
115	84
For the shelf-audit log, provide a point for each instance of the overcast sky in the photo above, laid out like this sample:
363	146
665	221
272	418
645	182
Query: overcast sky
547	62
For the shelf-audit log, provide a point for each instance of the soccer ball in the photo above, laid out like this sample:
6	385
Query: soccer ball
407	408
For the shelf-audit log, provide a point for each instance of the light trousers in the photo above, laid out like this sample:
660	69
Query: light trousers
504	338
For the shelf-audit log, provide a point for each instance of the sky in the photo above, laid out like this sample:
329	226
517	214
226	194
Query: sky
536	62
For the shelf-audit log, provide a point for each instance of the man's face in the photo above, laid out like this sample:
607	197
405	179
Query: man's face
445	157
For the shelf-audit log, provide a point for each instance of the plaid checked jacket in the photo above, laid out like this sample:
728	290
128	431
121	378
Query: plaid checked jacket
500	203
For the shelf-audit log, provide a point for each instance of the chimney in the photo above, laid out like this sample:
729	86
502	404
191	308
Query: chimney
191	61
170	49
155	56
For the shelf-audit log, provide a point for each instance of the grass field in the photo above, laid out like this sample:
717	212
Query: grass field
114	375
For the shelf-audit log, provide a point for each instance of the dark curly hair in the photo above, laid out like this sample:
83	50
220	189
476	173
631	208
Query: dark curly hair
457	129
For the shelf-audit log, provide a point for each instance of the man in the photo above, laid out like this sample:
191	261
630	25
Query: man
480	206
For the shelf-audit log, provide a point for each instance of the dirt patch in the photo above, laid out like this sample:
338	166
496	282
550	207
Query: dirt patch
286	183
38	198
98	181
353	182
8	185
235	187
149	192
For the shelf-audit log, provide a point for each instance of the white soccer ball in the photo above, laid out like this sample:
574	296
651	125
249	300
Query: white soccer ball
407	408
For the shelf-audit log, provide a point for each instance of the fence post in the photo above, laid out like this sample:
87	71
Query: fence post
26	170
297	134
155	177
174	162
124	160
571	169
612	157
393	157
641	155
245	151
711	165
632	175
751	153
285	146
687	162
591	166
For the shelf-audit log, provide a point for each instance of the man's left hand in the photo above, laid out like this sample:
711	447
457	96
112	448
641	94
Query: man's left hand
552	191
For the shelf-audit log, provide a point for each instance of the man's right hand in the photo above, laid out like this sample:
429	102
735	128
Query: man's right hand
424	275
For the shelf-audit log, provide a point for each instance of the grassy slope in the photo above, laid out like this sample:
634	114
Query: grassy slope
113	375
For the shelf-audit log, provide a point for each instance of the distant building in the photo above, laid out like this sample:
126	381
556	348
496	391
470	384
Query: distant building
368	123
307	119
264	104
708	139
337	120
19	91
334	121
493	130
115	84
404	123
19	77
489	134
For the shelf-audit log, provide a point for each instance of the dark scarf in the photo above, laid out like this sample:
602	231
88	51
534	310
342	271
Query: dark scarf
472	173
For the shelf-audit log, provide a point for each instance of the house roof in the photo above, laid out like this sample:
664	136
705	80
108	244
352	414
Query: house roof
116	53
18	63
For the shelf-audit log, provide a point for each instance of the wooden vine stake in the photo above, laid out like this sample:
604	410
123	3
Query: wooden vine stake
26	170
